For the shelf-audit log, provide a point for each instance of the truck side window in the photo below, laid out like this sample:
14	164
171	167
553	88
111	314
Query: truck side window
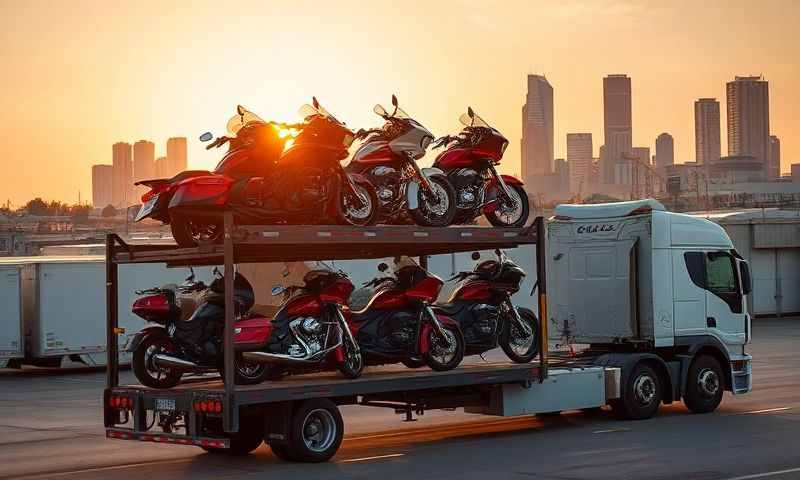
721	279
696	266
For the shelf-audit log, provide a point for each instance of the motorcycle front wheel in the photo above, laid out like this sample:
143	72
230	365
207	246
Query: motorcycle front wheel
519	347
353	363
445	354
514	213
367	213
439	211
145	369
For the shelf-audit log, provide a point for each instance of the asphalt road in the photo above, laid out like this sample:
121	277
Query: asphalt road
51	427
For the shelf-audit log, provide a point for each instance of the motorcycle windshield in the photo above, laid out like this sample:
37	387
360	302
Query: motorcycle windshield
238	121
473	121
399	113
307	111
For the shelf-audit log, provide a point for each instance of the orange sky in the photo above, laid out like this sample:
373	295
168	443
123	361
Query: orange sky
78	76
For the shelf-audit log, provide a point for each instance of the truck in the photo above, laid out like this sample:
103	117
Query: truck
629	361
10	314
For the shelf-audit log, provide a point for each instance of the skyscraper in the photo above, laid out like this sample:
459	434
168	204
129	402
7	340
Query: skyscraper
748	119
162	169
706	131
176	155
617	127
102	181
144	164
665	151
579	159
537	129
122	175
774	157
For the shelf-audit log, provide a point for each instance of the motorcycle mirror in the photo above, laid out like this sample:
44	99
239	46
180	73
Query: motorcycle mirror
395	103
240	110
382	267
206	137
190	278
476	255
216	272
315	102
277	290
471	115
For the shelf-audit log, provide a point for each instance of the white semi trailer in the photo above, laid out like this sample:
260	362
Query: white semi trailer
10	314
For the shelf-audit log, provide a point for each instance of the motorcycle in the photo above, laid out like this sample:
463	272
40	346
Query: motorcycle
482	307
309	332
469	162
185	331
387	158
263	184
398	325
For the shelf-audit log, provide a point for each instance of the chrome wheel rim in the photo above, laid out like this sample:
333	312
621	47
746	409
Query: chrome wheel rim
443	350
249	369
708	383
644	390
359	214
319	430
510	211
521	341
203	232
442	201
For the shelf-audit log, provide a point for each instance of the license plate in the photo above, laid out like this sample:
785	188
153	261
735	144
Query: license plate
146	209
165	404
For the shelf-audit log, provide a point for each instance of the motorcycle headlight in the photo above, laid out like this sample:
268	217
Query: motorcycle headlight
426	140
348	140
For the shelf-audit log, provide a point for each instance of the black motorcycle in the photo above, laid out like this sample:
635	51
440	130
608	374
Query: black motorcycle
483	309
177	342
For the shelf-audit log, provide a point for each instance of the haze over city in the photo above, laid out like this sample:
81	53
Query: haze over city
95	73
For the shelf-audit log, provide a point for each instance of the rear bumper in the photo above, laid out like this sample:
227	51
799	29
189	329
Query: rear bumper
171	438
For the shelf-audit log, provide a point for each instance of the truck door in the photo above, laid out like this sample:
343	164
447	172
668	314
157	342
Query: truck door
725	316
688	286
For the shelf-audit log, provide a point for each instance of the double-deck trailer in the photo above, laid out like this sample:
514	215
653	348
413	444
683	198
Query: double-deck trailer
298	417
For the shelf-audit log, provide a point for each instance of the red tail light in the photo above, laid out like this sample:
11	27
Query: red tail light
207	405
122	402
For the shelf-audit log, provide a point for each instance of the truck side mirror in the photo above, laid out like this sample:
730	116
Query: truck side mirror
744	273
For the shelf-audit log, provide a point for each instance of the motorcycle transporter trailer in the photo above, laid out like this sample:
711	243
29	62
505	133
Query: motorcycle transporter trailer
298	416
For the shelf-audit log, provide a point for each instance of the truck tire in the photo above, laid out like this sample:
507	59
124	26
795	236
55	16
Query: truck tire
249	437
704	385
641	395
282	452
315	431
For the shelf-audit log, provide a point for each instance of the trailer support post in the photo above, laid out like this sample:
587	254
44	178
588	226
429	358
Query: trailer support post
230	421
112	312
541	278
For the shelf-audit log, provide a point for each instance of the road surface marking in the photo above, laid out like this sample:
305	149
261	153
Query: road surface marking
613	430
104	469
766	474
766	410
377	457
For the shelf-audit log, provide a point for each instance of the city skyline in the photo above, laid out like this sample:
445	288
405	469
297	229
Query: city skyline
167	83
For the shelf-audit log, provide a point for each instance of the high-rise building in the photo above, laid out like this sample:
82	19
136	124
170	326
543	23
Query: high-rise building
162	169
122	176
176	155
579	159
102	181
561	168
748	119
617	128
774	157
665	151
144	164
707	147
537	129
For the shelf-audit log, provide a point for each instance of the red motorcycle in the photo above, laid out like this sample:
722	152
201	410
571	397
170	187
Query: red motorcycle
309	333
469	162
398	325
263	184
483	308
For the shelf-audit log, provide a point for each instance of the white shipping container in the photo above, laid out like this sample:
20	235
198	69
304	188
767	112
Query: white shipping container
11	346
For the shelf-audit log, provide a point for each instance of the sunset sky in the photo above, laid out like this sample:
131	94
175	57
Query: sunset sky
78	76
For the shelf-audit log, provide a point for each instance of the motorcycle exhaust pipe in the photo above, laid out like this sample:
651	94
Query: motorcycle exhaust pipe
167	361
282	358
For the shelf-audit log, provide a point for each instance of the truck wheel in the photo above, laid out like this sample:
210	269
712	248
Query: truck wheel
641	395
315	432
282	452
145	369
704	385
445	355
249	437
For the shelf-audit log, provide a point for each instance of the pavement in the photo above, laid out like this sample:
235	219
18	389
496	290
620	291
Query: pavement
51	428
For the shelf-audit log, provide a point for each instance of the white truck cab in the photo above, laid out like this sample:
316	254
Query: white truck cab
658	293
